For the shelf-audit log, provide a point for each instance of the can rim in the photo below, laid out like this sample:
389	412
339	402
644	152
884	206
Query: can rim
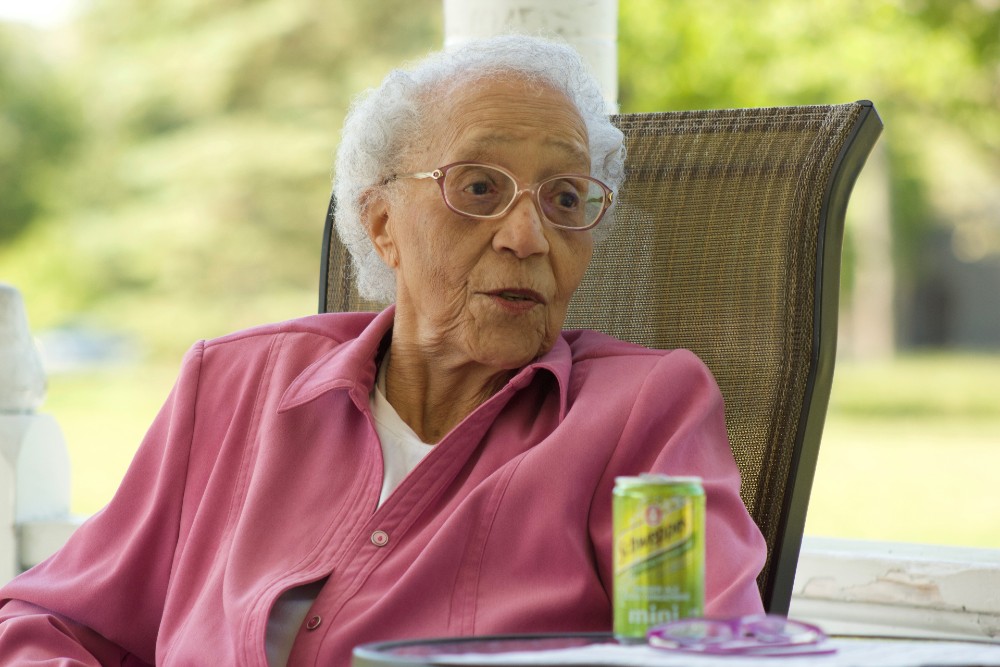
654	478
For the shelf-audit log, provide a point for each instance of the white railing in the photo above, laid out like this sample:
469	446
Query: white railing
896	589
34	463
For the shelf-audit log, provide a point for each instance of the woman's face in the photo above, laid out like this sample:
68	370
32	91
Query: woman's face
492	292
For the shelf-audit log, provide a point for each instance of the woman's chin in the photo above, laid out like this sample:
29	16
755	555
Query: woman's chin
511	352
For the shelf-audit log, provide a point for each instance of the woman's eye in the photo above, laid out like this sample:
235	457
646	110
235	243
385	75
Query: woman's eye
565	195
479	188
567	200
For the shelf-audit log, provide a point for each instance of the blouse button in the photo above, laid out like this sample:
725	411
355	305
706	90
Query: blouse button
380	538
314	622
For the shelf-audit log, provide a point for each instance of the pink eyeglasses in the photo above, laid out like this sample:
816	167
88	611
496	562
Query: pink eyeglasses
758	635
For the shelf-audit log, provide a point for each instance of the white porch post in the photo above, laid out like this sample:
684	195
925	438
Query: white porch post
590	26
34	463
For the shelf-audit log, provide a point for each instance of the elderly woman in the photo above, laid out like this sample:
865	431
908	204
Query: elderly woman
444	467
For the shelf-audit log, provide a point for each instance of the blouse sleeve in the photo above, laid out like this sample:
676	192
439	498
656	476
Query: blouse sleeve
677	427
100	598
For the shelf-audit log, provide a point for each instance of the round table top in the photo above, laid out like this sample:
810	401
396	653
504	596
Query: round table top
603	648
424	651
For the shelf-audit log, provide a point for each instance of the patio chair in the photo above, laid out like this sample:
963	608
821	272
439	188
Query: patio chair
727	241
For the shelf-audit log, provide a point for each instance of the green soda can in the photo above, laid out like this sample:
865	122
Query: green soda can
659	552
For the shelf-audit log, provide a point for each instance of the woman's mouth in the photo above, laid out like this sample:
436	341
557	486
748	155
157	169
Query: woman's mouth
517	300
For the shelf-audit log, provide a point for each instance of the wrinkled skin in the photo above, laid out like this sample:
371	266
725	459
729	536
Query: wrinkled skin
478	299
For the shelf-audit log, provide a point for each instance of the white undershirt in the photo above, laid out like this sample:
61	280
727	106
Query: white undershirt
402	450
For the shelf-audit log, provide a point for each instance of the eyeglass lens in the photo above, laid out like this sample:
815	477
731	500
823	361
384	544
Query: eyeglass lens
483	191
776	629
700	632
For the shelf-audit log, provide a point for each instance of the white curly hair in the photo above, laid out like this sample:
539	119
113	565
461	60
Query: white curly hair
384	123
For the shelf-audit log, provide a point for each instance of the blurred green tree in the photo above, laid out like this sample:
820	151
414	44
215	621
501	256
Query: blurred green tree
932	67
38	130
194	201
200	191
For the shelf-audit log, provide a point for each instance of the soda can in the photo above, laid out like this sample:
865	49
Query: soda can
659	552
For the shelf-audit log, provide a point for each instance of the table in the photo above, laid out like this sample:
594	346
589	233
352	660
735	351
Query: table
602	650
430	651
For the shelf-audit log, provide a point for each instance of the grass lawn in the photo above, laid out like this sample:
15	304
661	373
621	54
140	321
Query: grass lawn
910	452
104	415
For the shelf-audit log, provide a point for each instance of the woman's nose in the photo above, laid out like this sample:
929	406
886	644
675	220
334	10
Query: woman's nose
522	229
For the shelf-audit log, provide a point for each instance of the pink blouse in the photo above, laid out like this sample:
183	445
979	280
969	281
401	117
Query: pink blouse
262	473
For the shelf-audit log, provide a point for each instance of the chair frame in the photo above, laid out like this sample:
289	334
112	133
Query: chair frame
777	593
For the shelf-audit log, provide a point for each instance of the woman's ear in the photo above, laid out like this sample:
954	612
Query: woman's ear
376	213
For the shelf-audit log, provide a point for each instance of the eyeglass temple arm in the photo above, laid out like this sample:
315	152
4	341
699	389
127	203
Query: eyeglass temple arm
436	174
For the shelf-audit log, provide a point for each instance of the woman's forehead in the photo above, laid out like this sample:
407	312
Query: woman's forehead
498	116
490	142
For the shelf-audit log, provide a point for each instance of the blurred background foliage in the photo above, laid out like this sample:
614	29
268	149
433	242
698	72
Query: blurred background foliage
165	169
165	166
186	150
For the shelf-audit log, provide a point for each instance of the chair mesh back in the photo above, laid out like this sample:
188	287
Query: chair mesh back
717	246
714	249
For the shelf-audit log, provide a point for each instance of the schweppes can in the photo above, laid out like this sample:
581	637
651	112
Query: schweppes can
659	557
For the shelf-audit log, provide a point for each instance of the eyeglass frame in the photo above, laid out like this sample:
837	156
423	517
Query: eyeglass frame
440	173
739	643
